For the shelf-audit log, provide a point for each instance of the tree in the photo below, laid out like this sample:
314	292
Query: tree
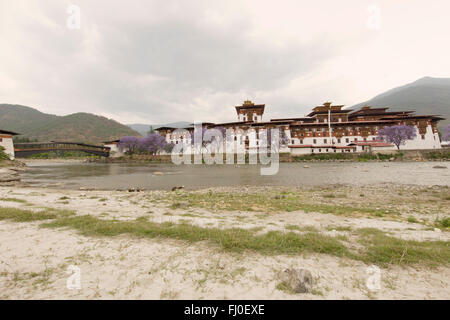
128	144
152	143
151	130
397	135
169	147
446	135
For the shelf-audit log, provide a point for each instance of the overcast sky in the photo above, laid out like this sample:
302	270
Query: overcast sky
165	61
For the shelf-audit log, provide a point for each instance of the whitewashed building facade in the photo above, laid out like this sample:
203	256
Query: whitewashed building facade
327	129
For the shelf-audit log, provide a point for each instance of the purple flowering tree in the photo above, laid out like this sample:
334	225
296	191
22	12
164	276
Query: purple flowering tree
128	144
446	135
152	143
398	135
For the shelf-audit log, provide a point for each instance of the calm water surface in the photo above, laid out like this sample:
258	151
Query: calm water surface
165	176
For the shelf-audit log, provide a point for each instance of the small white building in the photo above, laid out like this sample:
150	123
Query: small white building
114	148
6	141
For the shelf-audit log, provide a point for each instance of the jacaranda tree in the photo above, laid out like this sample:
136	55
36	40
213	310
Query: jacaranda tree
151	144
128	144
398	135
446	134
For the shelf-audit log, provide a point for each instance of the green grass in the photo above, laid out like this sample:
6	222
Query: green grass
21	215
362	157
302	228
443	223
13	200
384	250
377	247
234	239
324	156
264	203
412	219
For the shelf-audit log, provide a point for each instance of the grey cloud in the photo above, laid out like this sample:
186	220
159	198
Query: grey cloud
155	68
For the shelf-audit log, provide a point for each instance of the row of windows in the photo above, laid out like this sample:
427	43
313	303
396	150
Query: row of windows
347	140
334	150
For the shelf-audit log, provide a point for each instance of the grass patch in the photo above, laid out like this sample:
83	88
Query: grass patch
412	219
324	156
13	200
264	203
284	286
338	228
378	248
384	250
229	239
21	215
303	228
442	223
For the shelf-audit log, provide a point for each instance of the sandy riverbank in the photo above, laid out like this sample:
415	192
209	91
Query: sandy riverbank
34	260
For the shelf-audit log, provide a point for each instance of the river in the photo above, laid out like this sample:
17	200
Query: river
165	176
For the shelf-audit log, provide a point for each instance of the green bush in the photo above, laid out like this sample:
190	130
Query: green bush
438	155
366	157
324	156
61	154
3	155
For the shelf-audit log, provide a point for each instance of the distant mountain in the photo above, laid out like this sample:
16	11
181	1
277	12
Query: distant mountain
425	96
144	128
79	127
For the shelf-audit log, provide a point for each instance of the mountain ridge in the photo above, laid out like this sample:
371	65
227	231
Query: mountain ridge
426	95
33	124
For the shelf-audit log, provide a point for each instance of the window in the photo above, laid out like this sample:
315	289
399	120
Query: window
423	137
365	139
324	140
346	140
373	138
314	141
292	141
339	140
301	141
320	150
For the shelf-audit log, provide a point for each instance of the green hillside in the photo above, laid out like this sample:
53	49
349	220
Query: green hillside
80	127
